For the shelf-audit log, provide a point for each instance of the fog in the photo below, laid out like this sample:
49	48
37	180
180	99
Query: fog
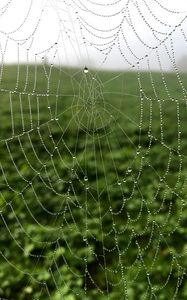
118	34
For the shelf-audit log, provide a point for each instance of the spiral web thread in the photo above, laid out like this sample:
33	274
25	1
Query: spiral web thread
62	176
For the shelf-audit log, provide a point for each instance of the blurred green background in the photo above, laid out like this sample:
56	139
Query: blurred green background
93	184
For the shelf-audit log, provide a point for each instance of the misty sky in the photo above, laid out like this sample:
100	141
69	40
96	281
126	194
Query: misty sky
75	32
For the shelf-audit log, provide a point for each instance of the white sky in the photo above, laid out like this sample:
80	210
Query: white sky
30	29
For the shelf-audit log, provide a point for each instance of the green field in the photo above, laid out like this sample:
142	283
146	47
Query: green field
93	184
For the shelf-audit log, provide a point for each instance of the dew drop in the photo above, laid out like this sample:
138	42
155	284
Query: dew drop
85	178
85	70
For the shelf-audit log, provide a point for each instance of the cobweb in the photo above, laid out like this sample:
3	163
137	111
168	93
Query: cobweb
93	163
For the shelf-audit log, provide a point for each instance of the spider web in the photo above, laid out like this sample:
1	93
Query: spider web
93	163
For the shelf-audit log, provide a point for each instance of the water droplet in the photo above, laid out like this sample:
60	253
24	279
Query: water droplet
85	178
85	70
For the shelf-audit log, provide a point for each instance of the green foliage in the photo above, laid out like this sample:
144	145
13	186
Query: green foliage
112	150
